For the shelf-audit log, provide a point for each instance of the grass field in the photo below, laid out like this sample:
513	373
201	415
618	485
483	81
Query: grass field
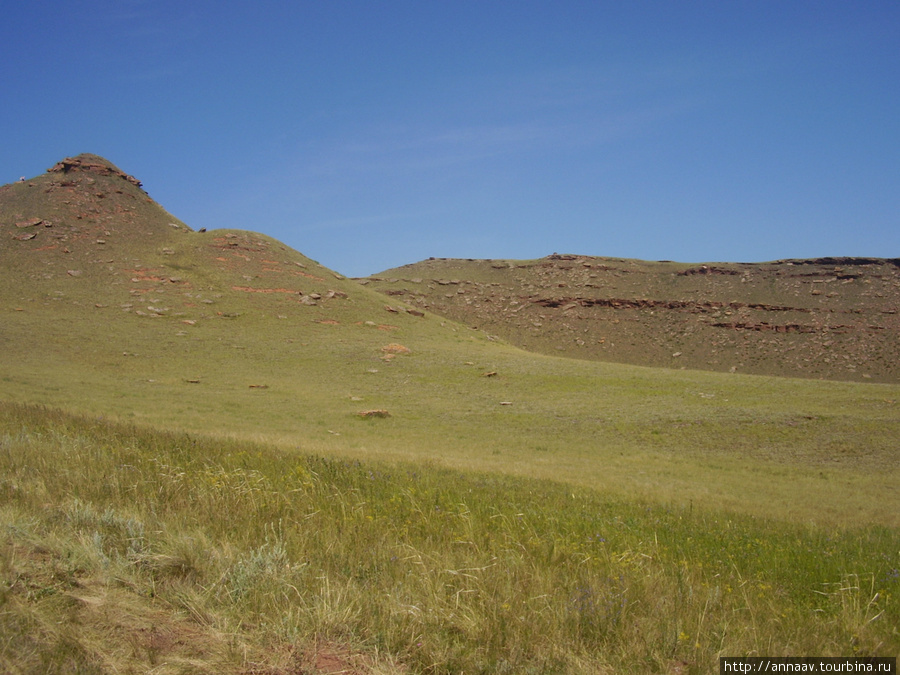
764	446
127	550
188	482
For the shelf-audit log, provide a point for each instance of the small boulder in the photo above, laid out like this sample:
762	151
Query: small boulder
368	414
31	222
395	348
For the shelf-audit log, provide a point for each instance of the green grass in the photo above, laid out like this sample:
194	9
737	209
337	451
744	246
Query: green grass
199	493
253	552
765	446
158	328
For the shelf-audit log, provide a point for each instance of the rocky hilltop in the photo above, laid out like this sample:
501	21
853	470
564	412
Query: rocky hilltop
834	318
91	164
84	242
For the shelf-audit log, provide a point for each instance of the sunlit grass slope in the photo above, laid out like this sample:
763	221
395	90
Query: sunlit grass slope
127	550
793	449
115	308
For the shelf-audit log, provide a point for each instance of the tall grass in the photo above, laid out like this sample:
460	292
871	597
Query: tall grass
261	555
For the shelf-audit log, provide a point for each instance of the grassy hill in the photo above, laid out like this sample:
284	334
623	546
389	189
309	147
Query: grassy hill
127	550
104	290
221	389
833	318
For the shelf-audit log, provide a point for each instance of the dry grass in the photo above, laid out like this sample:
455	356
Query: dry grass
247	559
833	318
671	436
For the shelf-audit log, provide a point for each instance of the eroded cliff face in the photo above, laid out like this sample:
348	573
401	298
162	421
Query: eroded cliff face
834	318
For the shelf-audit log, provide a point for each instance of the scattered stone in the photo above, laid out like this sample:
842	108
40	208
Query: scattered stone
493	373
24	237
706	270
259	386
31	222
366	414
395	348
74	273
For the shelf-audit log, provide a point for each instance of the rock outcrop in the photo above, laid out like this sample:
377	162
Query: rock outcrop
86	163
827	317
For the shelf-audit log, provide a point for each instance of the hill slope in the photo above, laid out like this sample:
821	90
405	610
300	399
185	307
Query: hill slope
85	232
256	546
110	306
833	318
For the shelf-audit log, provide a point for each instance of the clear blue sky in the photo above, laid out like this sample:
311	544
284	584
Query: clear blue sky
372	134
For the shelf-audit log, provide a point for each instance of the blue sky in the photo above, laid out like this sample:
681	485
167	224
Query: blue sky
373	134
